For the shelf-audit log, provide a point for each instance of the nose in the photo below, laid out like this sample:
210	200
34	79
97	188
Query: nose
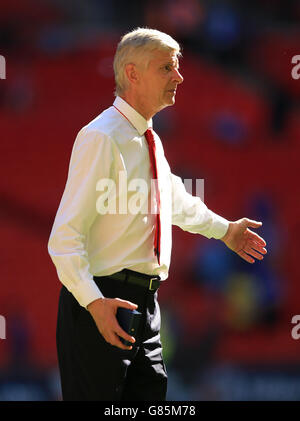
177	76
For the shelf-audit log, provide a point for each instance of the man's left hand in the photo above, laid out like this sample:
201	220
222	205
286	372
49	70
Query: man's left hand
243	241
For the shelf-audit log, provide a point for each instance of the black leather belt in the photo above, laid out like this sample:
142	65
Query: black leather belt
152	283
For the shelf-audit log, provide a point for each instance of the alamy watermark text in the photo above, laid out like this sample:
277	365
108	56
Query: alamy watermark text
2	327
296	69
2	68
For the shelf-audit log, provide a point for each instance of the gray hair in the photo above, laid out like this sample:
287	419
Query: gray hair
135	47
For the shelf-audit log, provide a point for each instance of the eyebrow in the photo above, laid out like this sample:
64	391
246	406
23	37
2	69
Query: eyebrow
170	63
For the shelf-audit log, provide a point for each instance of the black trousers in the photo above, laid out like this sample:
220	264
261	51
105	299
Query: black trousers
92	369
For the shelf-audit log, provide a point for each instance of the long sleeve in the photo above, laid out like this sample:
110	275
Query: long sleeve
90	161
191	214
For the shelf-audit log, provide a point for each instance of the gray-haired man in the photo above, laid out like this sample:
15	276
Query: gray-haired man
119	258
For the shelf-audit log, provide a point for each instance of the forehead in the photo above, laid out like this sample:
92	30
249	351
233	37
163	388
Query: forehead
159	56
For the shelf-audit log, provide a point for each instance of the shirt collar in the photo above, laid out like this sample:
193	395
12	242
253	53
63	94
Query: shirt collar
136	119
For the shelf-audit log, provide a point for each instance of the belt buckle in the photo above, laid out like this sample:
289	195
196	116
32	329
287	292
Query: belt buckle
150	285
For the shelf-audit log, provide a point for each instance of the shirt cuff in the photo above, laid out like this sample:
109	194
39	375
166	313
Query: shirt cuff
86	292
219	226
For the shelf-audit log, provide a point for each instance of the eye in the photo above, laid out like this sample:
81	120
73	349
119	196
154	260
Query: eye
168	68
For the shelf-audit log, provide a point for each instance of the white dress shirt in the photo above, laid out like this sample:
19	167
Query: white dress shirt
86	241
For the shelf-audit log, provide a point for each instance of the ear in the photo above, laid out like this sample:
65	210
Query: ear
132	73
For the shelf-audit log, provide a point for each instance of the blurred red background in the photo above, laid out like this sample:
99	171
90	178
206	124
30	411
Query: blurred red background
235	124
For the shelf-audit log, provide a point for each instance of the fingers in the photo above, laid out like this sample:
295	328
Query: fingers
245	256
255	237
258	247
125	304
246	243
251	223
105	319
116	328
253	253
120	332
252	249
112	336
114	340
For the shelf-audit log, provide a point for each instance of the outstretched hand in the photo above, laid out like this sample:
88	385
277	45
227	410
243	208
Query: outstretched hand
243	241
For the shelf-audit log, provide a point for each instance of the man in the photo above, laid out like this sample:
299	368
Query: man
119	258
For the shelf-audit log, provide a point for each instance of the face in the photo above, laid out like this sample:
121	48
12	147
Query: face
158	82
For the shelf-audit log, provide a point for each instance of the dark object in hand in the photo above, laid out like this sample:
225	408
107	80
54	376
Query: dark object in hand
129	321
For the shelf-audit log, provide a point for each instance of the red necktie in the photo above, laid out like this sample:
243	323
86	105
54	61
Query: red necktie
152	154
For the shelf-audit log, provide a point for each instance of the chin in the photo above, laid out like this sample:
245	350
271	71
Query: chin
167	103
171	101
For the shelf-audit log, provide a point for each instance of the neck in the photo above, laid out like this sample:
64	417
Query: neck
139	105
